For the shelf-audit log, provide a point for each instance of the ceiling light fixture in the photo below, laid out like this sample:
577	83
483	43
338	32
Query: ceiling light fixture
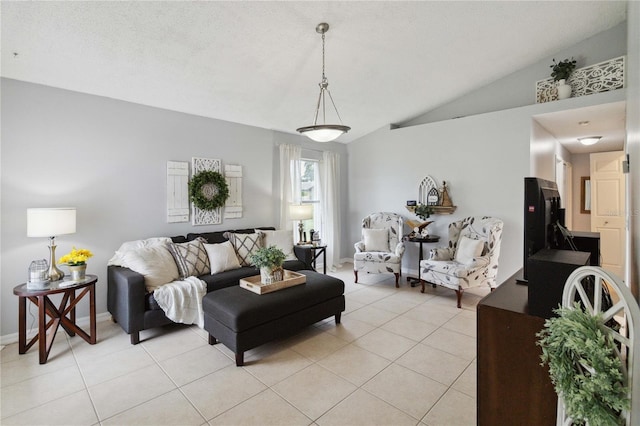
590	140
324	132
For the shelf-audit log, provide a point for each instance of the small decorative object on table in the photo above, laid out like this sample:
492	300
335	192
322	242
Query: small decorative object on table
38	274
76	260
269	260
561	72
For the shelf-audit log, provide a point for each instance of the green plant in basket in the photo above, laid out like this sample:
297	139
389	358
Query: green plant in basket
268	257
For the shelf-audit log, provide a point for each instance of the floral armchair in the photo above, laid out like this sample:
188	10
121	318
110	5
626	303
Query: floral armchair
470	260
381	247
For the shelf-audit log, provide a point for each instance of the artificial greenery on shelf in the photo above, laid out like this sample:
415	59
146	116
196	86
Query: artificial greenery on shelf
563	69
584	368
423	211
268	257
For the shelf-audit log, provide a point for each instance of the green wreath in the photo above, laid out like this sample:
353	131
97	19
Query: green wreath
584	367
208	190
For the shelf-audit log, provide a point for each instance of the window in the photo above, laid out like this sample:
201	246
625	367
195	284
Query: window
310	192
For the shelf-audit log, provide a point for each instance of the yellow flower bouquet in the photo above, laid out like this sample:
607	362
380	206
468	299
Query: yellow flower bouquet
75	257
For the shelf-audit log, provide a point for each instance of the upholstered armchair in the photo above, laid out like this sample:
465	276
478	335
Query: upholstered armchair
471	258
381	247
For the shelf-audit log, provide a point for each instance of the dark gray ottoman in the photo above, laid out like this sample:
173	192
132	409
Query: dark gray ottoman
242	320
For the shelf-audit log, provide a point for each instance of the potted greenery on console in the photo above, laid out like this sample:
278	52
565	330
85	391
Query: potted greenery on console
269	260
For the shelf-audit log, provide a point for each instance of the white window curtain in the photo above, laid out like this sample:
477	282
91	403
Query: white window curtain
330	204
289	182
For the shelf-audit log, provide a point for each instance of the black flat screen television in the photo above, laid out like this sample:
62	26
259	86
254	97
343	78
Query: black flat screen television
541	213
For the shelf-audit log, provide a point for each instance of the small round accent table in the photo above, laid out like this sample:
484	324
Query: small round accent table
429	239
62	315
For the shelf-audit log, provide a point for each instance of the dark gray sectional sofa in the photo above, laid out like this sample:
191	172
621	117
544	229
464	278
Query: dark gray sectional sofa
136	310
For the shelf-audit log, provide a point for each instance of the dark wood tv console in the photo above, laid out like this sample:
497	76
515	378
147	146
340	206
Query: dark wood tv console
513	388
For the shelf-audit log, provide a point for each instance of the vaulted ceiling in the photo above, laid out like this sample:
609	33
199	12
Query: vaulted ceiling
259	63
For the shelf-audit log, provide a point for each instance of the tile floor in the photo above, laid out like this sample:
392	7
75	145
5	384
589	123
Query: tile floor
398	357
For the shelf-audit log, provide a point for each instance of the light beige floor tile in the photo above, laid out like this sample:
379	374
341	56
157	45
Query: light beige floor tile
174	340
367	295
410	328
114	365
122	393
314	390
362	408
374	316
60	351
222	390
430	312
192	365
351	305
28	365
452	342
408	295
110	338
405	389
74	409
277	366
171	408
348	330
319	346
385	344
354	364
393	305
39	390
434	363
266	408
454	408
464	323
467	382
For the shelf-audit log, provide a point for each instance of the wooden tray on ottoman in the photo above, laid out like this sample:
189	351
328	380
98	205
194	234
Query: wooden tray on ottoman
290	279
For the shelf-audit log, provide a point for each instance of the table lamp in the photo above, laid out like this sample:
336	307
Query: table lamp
51	222
301	212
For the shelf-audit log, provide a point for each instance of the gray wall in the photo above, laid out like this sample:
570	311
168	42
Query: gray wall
518	89
108	159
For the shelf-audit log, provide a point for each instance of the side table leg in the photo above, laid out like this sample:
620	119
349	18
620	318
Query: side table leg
92	314
42	329
22	325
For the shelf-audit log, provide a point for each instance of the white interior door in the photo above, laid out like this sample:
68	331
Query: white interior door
607	208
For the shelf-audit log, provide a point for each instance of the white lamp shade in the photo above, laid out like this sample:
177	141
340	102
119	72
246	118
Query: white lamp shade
51	222
301	211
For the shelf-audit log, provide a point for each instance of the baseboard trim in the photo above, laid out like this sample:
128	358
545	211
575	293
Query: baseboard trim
82	322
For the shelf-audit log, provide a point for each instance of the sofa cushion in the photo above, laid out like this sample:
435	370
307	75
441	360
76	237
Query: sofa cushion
117	259
222	257
191	258
376	239
283	239
245	245
155	263
468	249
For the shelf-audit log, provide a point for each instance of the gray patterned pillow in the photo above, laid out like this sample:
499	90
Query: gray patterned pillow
191	258
245	245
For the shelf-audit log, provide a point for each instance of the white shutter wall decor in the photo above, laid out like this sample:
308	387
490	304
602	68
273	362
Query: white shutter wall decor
205	217
233	206
177	191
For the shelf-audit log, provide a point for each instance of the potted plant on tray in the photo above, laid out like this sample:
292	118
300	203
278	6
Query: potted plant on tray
269	260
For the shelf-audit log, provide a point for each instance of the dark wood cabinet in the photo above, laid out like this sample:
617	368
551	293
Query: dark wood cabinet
513	388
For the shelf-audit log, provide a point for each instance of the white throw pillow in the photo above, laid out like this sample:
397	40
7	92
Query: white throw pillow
468	249
155	263
222	257
117	258
282	239
376	239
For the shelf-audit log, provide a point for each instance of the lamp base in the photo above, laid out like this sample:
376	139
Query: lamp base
54	273
301	232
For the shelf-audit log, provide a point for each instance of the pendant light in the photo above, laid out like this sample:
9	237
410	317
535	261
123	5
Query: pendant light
324	132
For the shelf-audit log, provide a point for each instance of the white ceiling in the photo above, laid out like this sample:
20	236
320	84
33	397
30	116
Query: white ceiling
258	63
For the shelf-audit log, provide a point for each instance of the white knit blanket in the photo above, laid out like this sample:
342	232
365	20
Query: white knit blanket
181	301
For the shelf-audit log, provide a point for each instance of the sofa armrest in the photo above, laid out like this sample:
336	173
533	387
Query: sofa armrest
399	251
444	253
304	255
359	246
125	298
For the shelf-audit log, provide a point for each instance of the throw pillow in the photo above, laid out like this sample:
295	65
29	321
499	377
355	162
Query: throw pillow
118	257
283	239
222	257
191	258
244	245
376	239
155	263
468	248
